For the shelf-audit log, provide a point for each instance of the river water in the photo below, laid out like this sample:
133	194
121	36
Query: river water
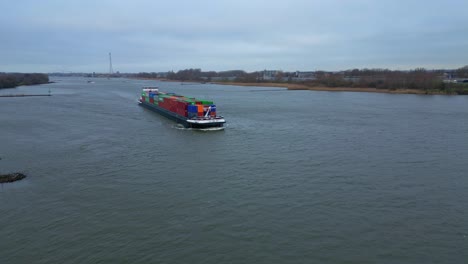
296	177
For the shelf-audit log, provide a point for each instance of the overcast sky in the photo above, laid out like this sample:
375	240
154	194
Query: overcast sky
154	35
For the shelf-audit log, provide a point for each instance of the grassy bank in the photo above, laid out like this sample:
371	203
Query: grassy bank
295	86
451	89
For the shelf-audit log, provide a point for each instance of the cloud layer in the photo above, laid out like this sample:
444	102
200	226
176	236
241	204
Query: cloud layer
144	35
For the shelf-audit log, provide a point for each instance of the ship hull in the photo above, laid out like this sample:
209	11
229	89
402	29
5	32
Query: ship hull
188	123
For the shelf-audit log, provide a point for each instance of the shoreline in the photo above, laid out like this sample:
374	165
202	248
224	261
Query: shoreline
31	84
299	87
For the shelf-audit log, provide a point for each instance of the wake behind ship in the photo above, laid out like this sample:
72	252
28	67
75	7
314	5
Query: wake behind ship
190	112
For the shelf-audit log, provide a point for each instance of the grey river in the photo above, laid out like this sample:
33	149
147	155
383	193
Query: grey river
296	177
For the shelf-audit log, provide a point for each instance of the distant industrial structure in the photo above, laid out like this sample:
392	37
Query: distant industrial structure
111	70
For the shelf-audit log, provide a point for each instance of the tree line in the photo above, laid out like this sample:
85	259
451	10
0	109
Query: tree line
11	80
418	79
199	75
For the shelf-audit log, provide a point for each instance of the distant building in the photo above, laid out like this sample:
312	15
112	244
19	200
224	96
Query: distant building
269	75
352	78
304	76
450	74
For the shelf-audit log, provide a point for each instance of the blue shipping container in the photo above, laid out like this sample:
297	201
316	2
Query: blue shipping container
192	109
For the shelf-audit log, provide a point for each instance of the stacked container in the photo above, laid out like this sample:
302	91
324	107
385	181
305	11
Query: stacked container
174	105
200	109
192	111
180	105
213	110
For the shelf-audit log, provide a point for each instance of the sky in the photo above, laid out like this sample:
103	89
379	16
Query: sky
217	35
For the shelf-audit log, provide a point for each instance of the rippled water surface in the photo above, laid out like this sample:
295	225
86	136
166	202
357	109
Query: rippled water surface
296	177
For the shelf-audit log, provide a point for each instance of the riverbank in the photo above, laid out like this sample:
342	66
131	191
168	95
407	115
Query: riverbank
12	80
295	86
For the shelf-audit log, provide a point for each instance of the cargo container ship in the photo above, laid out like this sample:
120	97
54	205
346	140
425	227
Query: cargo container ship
190	112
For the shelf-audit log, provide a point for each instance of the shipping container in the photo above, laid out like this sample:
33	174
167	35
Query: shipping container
192	108
204	102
